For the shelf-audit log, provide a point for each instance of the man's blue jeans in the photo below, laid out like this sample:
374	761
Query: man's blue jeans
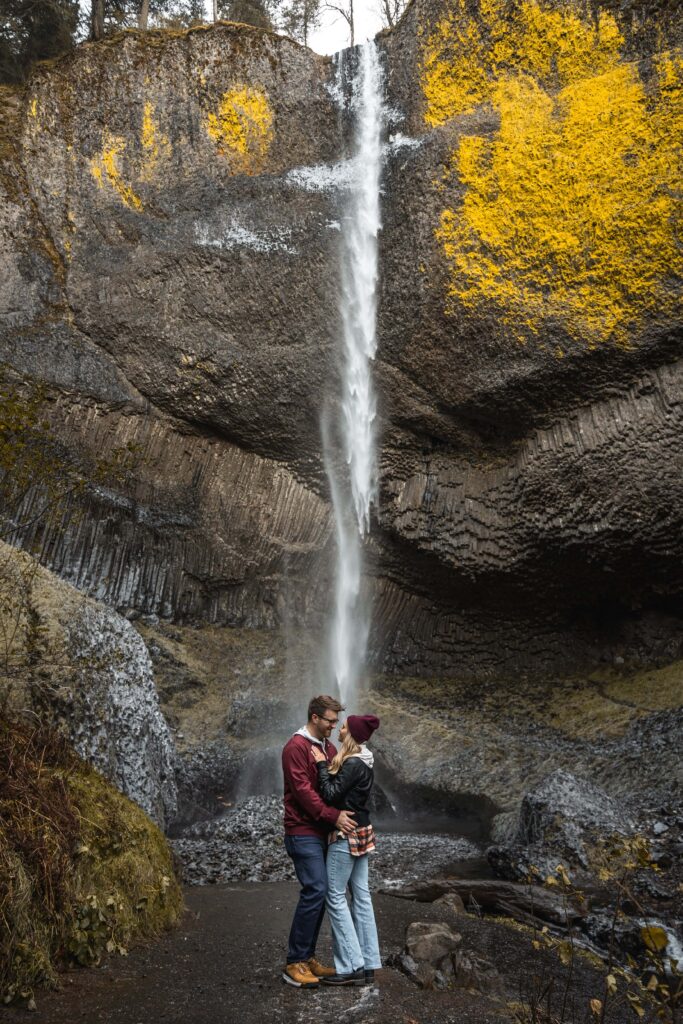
308	854
354	932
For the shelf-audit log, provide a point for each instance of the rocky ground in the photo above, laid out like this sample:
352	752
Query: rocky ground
246	845
562	821
223	965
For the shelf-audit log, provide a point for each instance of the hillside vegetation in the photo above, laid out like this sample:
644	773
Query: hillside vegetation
83	871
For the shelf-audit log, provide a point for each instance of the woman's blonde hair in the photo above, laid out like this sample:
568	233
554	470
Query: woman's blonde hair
348	748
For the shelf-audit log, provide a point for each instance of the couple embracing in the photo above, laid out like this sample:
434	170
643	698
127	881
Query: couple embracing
329	836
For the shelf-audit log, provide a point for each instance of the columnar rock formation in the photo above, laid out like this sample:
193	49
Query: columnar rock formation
169	221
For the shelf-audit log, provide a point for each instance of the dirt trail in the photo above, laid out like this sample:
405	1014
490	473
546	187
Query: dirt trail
222	966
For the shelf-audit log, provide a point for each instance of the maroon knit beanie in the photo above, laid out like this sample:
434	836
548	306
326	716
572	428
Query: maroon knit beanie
362	727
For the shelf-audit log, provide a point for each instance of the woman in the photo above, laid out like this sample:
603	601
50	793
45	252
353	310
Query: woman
346	784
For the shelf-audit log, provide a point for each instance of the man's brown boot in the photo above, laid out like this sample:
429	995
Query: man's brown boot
316	968
300	976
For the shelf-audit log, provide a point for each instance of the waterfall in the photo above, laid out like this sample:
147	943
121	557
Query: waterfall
353	496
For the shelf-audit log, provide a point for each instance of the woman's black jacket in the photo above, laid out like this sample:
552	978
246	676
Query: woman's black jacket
349	789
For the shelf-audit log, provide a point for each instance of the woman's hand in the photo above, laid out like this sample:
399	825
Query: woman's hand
317	754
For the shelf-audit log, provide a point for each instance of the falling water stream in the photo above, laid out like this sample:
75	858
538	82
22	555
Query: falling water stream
355	493
218	850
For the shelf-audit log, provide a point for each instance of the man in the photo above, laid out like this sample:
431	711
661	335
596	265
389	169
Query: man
308	821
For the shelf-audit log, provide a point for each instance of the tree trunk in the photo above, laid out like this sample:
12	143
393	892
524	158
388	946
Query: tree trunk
215	10
97	19
507	897
143	16
345	10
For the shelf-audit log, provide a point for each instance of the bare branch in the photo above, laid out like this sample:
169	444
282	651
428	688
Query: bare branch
345	10
391	11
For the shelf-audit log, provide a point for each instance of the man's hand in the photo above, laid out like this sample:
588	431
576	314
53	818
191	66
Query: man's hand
346	822
317	754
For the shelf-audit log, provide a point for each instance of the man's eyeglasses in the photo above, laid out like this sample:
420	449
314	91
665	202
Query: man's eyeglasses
328	721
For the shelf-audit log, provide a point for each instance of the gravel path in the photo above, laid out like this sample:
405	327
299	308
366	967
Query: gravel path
222	966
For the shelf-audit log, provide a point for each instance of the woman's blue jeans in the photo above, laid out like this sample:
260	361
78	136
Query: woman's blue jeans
354	932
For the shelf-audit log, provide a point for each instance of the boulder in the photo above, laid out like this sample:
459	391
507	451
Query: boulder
475	973
453	901
434	958
115	721
560	822
85	669
428	956
431	941
562	809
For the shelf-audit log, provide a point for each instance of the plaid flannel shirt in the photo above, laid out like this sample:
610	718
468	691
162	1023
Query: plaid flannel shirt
361	840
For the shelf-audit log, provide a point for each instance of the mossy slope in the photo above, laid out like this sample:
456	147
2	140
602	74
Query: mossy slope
618	728
83	871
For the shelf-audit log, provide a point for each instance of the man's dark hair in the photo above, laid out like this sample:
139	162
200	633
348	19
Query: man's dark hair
319	705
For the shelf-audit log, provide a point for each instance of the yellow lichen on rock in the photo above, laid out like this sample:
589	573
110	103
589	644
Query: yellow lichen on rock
453	85
242	129
156	146
105	166
463	57
569	212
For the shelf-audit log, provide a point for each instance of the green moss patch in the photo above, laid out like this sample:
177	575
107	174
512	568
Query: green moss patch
83	871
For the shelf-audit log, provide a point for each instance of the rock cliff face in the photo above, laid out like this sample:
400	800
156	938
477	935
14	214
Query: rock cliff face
169	213
530	313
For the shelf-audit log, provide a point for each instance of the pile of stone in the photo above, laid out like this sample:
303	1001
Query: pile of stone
434	957
243	845
246	844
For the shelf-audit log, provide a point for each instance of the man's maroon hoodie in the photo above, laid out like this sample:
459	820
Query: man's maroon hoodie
305	812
